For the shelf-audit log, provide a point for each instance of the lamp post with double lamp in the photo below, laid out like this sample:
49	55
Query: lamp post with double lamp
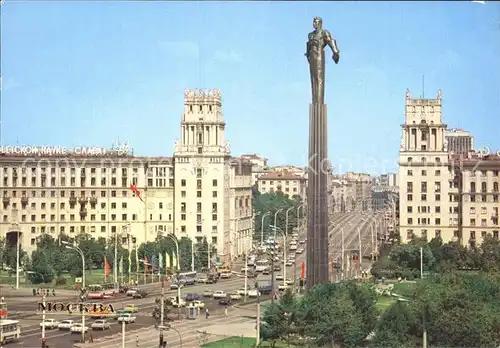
79	251
262	227
374	238
43	312
276	218
424	326
298	228
284	234
254	215
174	239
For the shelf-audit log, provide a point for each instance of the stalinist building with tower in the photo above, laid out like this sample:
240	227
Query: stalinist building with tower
199	192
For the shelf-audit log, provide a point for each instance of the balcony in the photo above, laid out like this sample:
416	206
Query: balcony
83	174
93	200
82	200
24	200
72	200
83	213
6	200
43	176
199	222
14	174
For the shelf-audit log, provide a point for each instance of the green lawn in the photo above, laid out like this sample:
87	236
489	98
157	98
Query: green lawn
239	342
405	289
384	302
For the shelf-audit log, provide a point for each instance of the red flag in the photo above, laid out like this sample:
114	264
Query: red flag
106	267
302	270
145	264
136	191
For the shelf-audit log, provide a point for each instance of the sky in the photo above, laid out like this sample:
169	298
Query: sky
89	73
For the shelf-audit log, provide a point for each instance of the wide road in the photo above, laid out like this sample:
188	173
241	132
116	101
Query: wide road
30	319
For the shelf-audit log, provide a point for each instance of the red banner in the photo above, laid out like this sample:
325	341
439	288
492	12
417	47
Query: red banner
106	267
302	270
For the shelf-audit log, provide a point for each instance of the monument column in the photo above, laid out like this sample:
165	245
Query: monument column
317	266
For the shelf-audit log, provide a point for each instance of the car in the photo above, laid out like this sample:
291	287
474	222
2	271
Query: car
225	275
202	280
245	269
267	271
225	301
300	251
130	308
208	293
50	324
253	293
289	263
279	277
242	292
65	324
265	289
100	324
191	297
127	318
131	292
140	294
288	281
235	296
277	268
198	304
175	286
302	242
219	294
283	287
181	303
78	328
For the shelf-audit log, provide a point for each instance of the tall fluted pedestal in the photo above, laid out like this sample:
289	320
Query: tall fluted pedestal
317	228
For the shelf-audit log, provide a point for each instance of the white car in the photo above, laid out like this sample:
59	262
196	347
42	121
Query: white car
181	303
219	294
235	296
50	324
279	277
127	318
288	281
100	324
241	292
202	280
245	269
289	263
65	324
283	287
300	251
131	292
198	304
253	293
78	328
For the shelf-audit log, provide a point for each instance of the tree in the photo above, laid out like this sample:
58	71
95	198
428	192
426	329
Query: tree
271	202
167	307
329	315
94	251
396	327
41	269
278	320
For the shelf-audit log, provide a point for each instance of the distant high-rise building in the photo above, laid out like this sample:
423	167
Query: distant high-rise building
459	141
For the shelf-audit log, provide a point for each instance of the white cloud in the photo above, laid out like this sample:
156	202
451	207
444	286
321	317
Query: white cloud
181	49
230	56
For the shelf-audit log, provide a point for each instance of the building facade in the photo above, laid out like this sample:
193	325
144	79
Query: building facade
199	192
458	141
287	183
442	194
423	171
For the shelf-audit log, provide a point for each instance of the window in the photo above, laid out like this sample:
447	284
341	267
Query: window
437	198
410	221
438	233
437	173
409	209
483	187
473	222
424	172
214	182
409	172
214	194
438	221
423	187
183	194
423	197
437	187
409	198
409	187
472	210
472	187
183	182
437	209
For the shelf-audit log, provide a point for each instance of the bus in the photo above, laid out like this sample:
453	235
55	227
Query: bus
261	265
10	330
187	278
95	292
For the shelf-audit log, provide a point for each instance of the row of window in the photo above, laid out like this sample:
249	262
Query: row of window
454	198
437	222
437	234
437	209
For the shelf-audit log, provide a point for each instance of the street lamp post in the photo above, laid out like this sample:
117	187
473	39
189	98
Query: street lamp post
277	229
18	251
262	227
174	239
276	217
79	251
43	302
